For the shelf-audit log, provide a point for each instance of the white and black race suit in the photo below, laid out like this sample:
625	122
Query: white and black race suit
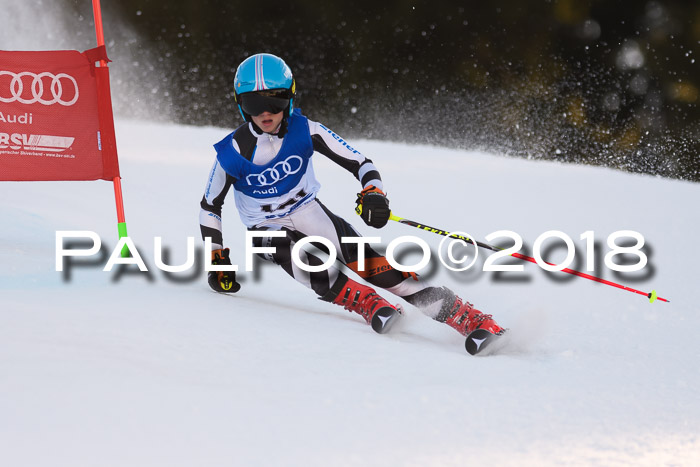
275	188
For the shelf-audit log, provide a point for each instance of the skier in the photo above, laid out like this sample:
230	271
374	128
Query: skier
268	163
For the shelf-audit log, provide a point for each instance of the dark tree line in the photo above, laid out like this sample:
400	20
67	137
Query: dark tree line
599	82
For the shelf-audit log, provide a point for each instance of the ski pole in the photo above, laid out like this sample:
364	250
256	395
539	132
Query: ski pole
651	295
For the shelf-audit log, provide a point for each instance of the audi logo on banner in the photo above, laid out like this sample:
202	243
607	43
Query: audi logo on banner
277	172
43	88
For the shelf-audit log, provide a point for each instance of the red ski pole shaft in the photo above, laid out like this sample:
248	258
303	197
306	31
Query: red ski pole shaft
650	295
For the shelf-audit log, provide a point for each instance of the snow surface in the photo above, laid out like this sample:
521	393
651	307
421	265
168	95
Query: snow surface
138	370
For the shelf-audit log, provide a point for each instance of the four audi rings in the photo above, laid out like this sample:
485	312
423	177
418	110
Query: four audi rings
37	87
274	174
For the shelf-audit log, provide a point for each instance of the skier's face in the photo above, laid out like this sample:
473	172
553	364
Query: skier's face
267	122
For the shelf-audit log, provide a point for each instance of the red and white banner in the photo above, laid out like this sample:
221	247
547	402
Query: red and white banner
56	118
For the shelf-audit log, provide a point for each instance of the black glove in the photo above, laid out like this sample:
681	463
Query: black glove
373	207
222	281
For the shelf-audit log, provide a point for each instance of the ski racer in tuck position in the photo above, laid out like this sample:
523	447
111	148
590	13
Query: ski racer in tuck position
268	162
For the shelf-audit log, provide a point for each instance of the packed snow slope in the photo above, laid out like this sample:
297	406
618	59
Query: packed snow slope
137	369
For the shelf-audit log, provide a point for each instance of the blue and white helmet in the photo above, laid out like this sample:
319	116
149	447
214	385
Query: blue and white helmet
264	82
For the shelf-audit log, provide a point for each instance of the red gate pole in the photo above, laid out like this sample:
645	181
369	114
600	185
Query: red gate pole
119	200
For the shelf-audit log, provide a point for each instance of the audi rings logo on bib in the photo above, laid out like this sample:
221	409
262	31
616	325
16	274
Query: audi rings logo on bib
42	88
277	172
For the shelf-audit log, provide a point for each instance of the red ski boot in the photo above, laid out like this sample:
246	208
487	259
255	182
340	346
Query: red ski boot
466	319
364	301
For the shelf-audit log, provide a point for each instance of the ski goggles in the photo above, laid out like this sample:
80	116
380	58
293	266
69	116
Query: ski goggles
273	101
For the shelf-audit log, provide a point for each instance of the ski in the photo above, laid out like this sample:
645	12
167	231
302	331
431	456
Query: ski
385	318
480	339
